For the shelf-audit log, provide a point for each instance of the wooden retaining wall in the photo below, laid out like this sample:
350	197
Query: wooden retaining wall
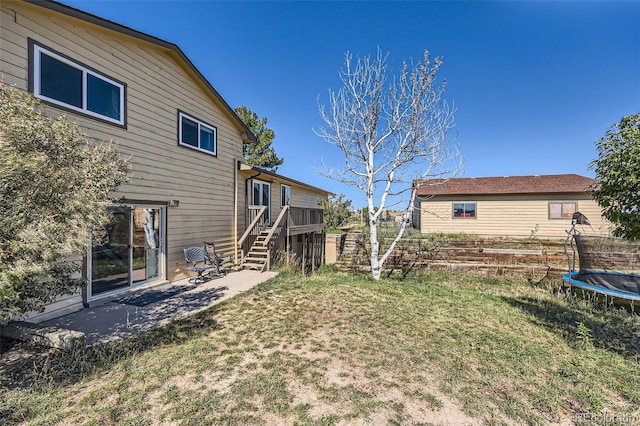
530	258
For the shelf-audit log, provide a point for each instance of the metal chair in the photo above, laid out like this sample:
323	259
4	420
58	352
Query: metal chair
218	260
197	261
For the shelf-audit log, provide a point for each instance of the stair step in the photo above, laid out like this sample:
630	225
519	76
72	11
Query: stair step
253	265
258	254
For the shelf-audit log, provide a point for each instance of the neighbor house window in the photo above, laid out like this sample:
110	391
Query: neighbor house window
562	210
464	210
196	134
61	81
285	195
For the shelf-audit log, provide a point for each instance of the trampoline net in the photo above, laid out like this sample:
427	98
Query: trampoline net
602	254
612	263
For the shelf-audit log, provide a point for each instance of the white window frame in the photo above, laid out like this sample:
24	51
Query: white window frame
562	214
282	188
200	124
465	203
38	50
260	201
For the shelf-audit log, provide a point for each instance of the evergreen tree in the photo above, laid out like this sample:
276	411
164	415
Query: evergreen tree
337	211
261	153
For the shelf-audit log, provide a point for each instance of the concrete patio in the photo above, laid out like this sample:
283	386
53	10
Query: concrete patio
118	319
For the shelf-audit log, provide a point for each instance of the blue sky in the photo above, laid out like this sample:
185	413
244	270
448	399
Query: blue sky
535	84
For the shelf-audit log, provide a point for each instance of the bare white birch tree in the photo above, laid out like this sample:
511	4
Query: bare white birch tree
392	131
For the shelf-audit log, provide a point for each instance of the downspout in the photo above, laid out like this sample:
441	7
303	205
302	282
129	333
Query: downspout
235	209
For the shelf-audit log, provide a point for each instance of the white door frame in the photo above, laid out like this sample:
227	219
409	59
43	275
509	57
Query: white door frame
262	184
162	253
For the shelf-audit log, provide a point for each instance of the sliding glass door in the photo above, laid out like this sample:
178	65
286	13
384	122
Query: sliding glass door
131	252
146	243
110	261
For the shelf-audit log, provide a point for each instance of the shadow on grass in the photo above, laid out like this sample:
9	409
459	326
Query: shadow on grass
615	331
63	367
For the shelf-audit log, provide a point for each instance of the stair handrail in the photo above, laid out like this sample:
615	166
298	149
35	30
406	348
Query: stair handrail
276	224
251	226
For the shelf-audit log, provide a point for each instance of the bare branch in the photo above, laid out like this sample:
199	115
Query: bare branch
391	132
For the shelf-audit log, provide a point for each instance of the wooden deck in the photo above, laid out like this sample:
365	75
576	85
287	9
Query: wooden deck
297	230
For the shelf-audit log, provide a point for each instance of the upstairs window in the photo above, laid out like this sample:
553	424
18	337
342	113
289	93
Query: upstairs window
66	83
464	210
196	134
285	195
562	210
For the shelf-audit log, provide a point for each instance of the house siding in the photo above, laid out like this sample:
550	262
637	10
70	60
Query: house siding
509	215
301	196
158	84
306	198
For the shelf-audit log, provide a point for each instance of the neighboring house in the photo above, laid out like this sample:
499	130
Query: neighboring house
184	142
513	206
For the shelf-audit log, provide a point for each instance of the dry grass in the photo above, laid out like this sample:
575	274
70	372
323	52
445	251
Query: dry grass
333	349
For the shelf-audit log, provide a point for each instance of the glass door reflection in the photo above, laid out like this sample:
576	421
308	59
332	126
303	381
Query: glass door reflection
146	243
110	261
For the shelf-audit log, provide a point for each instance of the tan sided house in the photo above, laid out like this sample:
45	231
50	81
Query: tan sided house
513	206
188	183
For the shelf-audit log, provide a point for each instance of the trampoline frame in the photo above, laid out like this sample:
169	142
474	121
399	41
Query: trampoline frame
602	290
579	218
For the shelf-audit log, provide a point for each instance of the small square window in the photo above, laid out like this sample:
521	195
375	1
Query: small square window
562	209
464	210
189	132
196	134
60	81
103	97
206	139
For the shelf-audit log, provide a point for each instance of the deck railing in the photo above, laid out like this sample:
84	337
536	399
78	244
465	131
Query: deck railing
299	216
290	221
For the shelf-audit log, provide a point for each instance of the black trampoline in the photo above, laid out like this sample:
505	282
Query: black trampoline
609	266
609	283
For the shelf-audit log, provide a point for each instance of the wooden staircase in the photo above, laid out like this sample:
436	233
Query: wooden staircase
258	255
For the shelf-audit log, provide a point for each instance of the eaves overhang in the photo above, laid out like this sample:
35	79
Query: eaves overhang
249	137
284	179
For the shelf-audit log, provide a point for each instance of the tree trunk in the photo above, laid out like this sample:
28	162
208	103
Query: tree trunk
376	266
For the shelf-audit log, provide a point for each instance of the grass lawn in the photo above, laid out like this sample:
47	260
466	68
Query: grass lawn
440	348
